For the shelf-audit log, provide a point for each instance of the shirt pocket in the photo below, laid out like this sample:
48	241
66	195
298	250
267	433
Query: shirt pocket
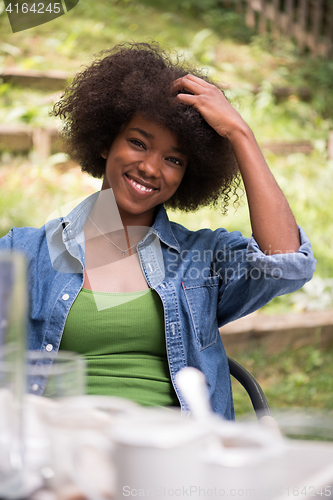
202	298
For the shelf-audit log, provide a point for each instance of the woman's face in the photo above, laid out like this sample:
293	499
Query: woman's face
144	168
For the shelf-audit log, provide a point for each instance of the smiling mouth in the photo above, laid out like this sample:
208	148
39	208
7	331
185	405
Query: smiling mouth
140	187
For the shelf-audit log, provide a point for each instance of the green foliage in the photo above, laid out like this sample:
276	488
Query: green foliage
45	190
314	74
22	105
92	27
291	379
224	17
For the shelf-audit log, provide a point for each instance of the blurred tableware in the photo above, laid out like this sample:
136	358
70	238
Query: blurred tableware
309	432
63	375
243	458
250	460
307	471
57	375
13	302
77	430
193	387
11	445
114	407
157	451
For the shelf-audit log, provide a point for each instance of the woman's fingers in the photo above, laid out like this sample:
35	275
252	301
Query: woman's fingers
201	94
210	102
207	99
191	83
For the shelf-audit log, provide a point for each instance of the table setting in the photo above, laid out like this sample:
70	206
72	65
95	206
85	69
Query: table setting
67	445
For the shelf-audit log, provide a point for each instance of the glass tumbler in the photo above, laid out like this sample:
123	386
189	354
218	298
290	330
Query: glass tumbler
51	379
13	300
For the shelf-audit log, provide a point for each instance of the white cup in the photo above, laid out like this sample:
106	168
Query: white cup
157	454
79	429
243	460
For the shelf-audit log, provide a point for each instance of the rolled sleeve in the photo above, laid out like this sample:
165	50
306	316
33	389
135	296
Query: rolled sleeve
298	265
253	279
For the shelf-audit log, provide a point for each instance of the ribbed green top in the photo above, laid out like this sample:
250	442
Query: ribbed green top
122	337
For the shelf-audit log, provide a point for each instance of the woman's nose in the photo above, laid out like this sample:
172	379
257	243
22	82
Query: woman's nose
150	166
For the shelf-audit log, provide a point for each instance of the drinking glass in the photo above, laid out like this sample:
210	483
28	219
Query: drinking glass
13	301
66	436
63	374
58	377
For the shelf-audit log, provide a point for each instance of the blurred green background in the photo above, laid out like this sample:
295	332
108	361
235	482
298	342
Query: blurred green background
213	35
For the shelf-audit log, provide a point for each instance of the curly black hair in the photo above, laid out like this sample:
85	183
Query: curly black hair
136	78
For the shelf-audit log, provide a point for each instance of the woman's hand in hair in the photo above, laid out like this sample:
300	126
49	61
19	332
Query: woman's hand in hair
211	103
272	221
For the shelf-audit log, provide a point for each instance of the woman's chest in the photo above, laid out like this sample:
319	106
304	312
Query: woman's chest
117	274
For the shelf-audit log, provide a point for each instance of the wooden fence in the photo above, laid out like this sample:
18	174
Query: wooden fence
310	22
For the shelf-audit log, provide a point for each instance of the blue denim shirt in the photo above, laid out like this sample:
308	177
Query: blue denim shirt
205	279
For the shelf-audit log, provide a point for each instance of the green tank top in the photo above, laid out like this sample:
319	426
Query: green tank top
123	342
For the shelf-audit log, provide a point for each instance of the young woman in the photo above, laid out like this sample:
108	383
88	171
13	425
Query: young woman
141	297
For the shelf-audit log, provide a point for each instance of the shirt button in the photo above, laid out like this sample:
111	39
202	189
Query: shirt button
34	387
49	347
65	296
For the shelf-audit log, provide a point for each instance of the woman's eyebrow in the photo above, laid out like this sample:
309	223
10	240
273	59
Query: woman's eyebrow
177	150
143	132
148	135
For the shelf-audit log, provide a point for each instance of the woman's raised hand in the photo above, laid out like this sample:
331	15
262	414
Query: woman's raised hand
273	224
211	104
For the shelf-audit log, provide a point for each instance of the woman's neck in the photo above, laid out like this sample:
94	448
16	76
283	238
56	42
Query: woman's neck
109	217
105	218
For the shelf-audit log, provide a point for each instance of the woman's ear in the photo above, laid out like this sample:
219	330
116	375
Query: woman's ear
104	154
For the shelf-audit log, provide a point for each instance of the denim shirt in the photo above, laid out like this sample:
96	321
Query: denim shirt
204	278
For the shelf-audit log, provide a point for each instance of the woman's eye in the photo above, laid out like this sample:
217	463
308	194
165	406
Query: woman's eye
175	161
136	142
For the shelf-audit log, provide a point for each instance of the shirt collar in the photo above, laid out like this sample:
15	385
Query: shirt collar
162	228
72	224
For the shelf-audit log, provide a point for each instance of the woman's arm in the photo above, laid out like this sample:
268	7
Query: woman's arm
273	224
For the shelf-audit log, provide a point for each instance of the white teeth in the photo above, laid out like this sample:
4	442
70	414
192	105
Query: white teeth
141	187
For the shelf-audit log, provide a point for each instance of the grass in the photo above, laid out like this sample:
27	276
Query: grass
295	379
90	28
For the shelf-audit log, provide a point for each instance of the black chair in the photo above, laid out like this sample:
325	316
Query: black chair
252	387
